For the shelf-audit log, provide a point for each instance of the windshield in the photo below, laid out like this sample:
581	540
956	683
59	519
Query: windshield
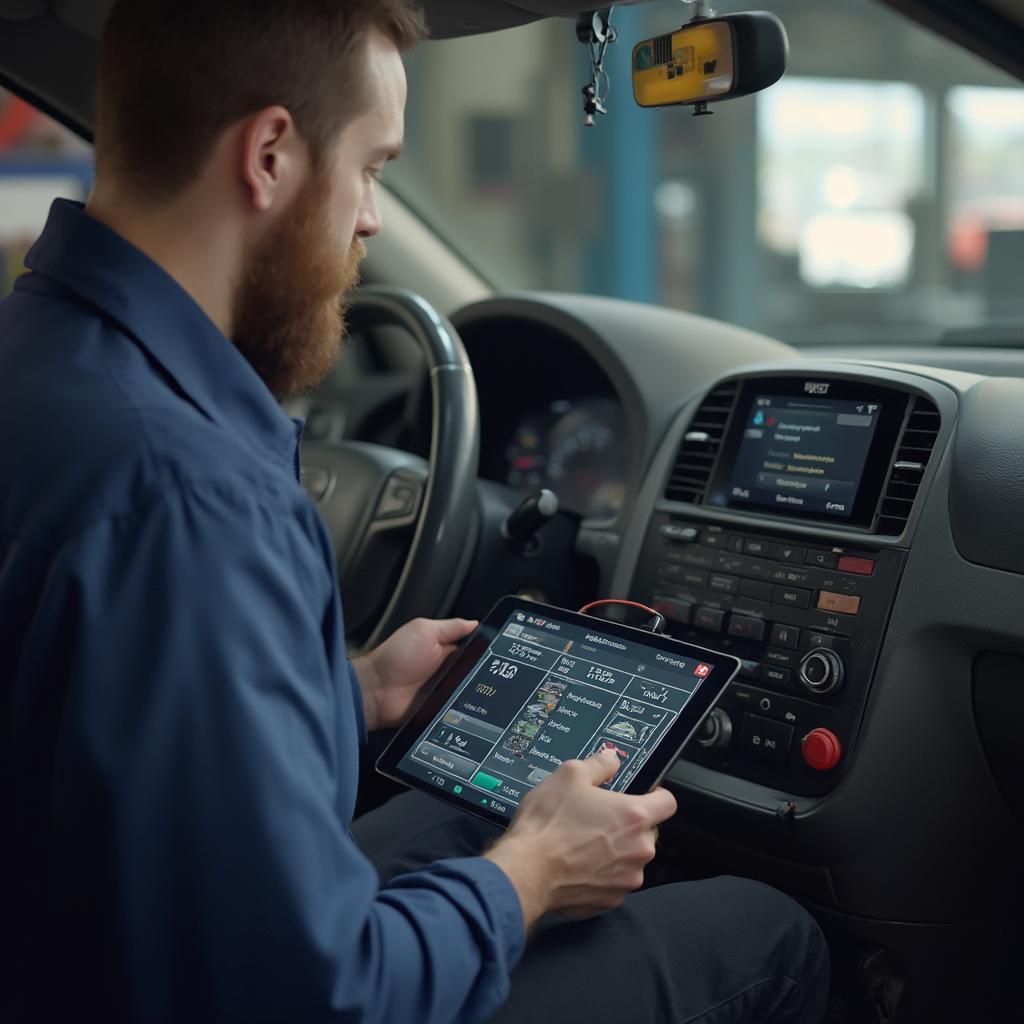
875	194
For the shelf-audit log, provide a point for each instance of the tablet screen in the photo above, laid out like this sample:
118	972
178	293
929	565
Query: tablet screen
544	686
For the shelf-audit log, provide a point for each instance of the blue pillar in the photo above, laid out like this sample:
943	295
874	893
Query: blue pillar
622	149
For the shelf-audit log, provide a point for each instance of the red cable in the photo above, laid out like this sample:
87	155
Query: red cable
615	600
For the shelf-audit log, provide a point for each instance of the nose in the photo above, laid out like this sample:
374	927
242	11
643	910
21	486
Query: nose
368	221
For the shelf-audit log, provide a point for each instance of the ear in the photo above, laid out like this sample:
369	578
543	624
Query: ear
271	157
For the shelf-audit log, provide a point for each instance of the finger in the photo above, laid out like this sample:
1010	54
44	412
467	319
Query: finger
451	631
602	766
659	804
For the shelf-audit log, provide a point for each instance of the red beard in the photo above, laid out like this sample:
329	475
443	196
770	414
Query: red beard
289	314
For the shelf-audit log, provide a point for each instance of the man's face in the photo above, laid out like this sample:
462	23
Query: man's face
289	307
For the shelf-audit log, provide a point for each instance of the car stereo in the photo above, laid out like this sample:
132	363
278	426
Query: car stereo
810	449
767	544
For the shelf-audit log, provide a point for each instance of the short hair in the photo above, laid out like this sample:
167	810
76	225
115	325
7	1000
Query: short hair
174	74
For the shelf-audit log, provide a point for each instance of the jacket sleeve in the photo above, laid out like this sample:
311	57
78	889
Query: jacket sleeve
204	780
357	702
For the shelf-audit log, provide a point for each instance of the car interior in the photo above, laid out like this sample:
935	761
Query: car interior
770	363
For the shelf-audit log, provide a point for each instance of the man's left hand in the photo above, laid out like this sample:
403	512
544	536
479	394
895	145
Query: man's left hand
391	675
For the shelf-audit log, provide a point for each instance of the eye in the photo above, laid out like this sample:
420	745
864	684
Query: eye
375	173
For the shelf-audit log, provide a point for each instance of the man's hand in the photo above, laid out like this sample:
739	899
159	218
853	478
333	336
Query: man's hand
576	848
391	675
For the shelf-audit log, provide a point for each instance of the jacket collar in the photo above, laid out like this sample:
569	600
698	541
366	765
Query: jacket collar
93	261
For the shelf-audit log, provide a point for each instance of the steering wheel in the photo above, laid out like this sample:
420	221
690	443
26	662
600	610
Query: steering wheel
403	527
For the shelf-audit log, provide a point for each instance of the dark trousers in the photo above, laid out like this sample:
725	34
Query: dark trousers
714	951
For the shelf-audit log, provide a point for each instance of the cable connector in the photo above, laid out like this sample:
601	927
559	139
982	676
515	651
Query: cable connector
653	624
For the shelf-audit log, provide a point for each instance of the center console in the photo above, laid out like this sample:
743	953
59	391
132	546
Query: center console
780	536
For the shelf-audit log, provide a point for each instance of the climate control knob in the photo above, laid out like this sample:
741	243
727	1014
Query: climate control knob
821	671
715	733
821	749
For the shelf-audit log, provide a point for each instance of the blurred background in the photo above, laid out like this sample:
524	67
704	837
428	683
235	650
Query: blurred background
875	194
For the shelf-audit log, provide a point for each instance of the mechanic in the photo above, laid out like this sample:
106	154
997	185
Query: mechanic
181	725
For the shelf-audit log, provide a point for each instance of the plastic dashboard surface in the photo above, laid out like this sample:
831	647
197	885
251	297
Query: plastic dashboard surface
917	829
912	818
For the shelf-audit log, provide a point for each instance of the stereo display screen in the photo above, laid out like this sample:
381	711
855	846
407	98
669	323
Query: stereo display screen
803	454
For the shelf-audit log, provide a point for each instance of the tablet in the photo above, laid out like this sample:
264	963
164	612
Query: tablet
535	686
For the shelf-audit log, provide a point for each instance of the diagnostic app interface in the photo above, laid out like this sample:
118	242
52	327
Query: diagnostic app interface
545	692
804	454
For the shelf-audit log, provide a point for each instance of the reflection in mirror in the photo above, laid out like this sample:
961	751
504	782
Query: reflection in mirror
692	64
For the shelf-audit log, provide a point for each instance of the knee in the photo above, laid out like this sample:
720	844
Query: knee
789	937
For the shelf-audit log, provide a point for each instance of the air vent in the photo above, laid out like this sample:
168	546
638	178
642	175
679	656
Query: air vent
908	466
692	470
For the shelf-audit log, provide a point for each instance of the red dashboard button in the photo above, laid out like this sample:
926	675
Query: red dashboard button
861	566
821	749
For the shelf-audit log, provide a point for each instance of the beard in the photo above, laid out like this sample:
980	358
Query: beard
289	310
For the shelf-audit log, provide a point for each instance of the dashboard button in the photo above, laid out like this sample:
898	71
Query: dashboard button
789	553
784	659
678	532
752	669
821	671
724	584
709	618
699	559
794	577
750	606
715	733
734	544
765	740
820	640
759	570
677	611
824	559
754	588
846	604
714	540
673	554
694	578
761	548
860	566
779	677
793	597
821	749
713	599
749	629
732	564
785	636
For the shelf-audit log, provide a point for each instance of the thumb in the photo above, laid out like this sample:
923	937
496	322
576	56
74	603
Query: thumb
450	631
602	766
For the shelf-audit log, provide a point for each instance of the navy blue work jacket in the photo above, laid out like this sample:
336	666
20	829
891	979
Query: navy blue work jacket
181	727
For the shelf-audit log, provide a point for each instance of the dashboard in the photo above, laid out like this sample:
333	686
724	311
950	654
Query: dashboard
848	528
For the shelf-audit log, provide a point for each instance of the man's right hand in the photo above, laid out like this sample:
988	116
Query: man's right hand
576	848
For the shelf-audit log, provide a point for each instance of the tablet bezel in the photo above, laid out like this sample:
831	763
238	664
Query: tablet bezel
451	675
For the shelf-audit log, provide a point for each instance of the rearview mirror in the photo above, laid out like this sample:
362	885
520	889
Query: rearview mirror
710	59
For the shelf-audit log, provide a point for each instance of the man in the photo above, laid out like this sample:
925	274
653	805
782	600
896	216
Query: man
181	727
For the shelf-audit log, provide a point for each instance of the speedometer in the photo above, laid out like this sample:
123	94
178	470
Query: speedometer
579	450
588	460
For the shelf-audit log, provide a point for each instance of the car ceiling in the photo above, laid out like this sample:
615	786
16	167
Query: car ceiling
48	47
